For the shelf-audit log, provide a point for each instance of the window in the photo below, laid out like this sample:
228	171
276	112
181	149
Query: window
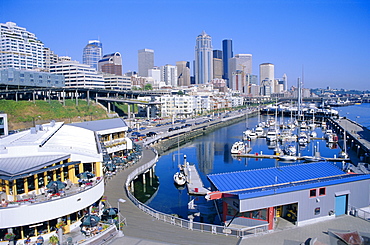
313	193
322	191
317	211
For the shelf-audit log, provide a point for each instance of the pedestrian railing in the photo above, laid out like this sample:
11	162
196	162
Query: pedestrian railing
188	224
362	213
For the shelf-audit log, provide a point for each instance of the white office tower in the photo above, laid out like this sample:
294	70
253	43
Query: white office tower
19	48
155	74
240	62
78	75
169	75
203	59
267	79
145	61
285	80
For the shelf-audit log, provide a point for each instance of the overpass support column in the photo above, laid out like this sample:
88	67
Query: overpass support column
108	107
148	112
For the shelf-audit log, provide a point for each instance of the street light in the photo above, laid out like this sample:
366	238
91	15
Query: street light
119	217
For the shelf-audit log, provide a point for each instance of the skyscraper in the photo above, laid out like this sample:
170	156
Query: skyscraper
92	53
19	48
217	64
227	53
111	63
267	79
203	59
183	73
169	75
145	61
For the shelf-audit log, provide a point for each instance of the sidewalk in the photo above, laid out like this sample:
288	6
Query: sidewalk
144	229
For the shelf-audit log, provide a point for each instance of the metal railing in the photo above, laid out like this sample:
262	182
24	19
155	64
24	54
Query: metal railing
188	224
360	213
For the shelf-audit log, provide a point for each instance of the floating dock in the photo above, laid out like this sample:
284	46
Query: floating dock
194	182
257	155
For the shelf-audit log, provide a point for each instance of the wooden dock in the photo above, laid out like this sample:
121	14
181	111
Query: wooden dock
194	182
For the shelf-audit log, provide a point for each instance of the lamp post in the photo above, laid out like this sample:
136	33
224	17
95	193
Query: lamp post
119	217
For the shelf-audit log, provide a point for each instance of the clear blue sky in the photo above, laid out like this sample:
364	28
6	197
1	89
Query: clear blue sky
329	38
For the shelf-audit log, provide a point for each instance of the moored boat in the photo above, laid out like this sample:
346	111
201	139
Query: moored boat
179	178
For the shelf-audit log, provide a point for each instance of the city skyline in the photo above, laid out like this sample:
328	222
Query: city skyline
327	40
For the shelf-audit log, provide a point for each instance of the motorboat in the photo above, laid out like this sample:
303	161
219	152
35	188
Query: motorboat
239	147
272	135
259	131
288	158
246	134
313	134
290	150
252	136
179	178
303	138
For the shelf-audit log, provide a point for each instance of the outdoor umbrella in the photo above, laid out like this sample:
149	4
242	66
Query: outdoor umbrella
90	220
110	211
56	185
110	166
86	175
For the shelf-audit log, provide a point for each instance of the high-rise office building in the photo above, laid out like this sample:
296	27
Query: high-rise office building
19	48
285	79
203	59
227	53
145	61
241	62
183	73
111	63
169	75
92	53
267	79
217	64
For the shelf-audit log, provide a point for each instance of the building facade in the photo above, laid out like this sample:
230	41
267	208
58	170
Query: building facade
267	79
78	75
92	53
111	63
217	64
116	82
17	78
203	59
20	48
227	53
145	61
169	75
183	73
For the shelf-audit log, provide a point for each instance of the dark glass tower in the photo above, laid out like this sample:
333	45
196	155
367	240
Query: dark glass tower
227	53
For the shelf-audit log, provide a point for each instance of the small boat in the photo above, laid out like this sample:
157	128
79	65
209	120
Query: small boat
272	135
288	158
239	147
313	134
302	138
179	178
313	159
332	138
259	131
246	134
290	150
252	136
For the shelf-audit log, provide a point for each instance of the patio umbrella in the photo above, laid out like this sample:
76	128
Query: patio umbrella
85	175
90	220
56	185
110	211
110	166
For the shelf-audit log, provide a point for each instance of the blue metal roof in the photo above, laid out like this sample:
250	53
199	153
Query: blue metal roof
261	182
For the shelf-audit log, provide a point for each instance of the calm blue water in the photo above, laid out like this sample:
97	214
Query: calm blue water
211	154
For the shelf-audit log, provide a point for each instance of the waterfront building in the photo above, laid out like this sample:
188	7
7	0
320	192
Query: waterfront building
111	63
217	64
267	79
299	194
203	59
17	78
169	75
227	53
49	58
145	61
183	73
34	159
176	105
19	48
92	53
116	82
3	124
78	75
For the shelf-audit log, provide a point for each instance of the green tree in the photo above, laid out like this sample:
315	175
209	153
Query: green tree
148	86
180	92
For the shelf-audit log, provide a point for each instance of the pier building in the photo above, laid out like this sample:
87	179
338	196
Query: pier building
299	194
41	175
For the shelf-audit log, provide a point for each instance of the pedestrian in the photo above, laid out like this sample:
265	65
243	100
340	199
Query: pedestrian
4	203
40	240
28	240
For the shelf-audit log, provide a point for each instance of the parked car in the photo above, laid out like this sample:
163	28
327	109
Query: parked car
170	129
150	134
142	128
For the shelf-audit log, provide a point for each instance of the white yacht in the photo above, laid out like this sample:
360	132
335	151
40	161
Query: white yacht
259	131
272	135
238	147
179	178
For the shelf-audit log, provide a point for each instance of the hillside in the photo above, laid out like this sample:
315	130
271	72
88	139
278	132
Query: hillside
24	114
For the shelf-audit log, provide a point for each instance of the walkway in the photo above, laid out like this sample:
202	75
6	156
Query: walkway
144	229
